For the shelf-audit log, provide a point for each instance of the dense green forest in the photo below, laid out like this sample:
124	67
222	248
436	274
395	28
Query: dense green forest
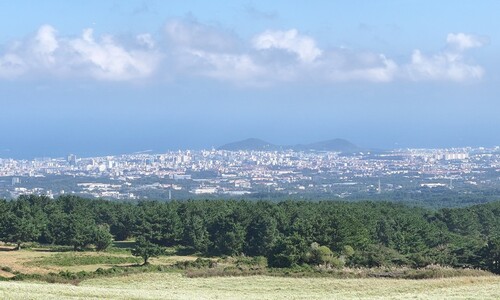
286	233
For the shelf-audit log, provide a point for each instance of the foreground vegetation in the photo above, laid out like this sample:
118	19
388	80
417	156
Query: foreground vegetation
244	249
53	272
285	234
176	286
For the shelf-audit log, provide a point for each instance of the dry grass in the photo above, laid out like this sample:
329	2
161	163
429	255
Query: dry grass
20	261
33	261
175	286
6	274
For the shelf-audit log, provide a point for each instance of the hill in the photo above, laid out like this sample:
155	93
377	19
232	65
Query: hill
338	145
249	144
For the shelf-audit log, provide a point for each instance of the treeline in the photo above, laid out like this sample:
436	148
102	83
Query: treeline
287	233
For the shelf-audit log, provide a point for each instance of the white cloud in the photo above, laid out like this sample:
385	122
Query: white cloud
45	44
146	40
442	66
303	46
383	70
462	41
108	60
11	66
206	51
449	64
193	49
103	59
240	69
194	35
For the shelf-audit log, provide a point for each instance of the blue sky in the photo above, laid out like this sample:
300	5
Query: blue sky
106	77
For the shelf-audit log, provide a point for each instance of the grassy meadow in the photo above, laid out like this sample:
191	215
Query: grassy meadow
177	286
172	283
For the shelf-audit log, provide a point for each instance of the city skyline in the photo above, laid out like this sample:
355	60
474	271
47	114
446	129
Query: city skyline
256	173
109	77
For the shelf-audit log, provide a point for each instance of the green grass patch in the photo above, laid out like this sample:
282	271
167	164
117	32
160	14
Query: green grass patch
77	259
76	277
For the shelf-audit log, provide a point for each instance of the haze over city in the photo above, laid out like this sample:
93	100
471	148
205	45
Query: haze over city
111	77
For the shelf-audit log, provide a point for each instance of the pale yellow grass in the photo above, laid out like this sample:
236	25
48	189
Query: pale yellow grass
18	261
24	261
175	286
6	274
164	260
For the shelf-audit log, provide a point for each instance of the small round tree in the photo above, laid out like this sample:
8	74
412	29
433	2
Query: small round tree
146	249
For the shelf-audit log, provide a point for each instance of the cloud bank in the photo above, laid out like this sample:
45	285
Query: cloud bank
189	48
46	53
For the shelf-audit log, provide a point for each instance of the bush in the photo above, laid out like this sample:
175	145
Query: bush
199	263
6	269
251	263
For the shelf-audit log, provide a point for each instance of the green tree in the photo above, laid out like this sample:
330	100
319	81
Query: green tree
262	234
196	234
320	255
123	223
24	223
492	255
146	249
4	213
227	236
288	251
102	238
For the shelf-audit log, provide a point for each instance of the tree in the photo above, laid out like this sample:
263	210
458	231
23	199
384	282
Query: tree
24	223
320	255
196	234
262	234
102	237
493	255
228	236
21	229
123	223
288	251
146	249
4	212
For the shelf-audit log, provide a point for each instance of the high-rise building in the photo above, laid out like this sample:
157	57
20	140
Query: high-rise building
72	159
16	180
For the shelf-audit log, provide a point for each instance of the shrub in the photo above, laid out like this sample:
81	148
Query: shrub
6	269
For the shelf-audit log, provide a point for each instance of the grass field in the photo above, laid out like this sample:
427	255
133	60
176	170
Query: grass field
176	286
44	260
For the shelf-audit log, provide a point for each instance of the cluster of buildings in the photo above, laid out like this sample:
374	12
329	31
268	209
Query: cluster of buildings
187	174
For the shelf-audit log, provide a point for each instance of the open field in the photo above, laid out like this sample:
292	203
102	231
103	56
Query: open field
176	286
43	260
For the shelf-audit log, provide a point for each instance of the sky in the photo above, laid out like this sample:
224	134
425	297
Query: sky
110	77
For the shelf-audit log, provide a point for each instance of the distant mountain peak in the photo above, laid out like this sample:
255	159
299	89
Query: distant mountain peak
248	144
337	145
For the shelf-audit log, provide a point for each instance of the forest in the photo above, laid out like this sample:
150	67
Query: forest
286	233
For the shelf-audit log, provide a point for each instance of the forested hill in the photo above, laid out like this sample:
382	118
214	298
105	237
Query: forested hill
354	234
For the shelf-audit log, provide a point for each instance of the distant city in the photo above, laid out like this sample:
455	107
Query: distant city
253	168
